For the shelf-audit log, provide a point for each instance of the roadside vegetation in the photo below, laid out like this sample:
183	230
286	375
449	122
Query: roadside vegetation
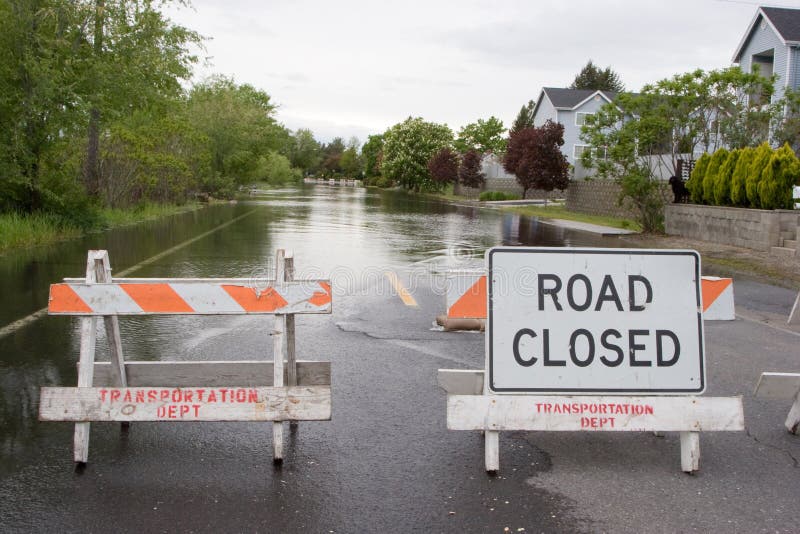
558	211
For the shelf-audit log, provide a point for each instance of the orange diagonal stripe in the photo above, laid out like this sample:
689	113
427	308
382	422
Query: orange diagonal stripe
321	298
269	300
63	299
156	298
472	304
712	289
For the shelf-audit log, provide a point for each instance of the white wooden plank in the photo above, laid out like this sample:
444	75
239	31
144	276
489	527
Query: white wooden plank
690	452
185	404
491	451
210	374
778	385
86	361
793	419
291	361
103	276
278	354
570	413
302	296
461	381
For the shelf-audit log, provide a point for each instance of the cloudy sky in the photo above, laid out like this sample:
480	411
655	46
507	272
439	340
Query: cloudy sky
355	67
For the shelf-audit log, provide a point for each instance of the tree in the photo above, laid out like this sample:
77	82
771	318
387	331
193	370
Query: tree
482	136
761	157
239	122
695	183
739	177
332	156
443	166
470	173
779	175
350	162
371	153
407	148
724	179
534	156
712	173
524	117
304	151
592	77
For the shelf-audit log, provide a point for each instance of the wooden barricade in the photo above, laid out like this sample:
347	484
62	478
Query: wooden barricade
468	408
282	390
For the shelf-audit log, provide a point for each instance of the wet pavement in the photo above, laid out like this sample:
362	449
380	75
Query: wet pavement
385	462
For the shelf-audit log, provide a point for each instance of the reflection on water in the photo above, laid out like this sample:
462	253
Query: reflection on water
351	235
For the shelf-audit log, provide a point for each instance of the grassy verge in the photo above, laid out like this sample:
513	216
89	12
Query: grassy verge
18	231
23	231
557	211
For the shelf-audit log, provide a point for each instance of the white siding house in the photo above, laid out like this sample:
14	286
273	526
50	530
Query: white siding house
569	107
771	45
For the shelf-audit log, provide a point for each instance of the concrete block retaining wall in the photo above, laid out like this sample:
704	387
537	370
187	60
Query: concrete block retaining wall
749	228
601	197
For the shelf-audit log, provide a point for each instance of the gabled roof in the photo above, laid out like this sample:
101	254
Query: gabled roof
563	98
784	21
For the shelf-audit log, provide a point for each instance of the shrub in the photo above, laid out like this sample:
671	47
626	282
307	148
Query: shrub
497	195
722	182
710	178
760	161
384	182
738	191
780	174
695	182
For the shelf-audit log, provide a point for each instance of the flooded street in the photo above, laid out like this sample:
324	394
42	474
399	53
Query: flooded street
385	462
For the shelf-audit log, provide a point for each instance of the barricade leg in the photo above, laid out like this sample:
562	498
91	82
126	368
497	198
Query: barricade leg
492	450
793	419
690	451
278	353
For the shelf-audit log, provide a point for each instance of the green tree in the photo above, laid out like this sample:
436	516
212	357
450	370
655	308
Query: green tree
524	117
739	177
304	151
593	77
695	182
239	122
482	136
722	183
332	156
779	175
407	148
710	179
372	153
350	161
761	157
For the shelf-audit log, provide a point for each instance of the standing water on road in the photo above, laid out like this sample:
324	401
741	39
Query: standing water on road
350	235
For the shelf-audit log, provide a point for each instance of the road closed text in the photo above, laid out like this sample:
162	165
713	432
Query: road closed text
595	322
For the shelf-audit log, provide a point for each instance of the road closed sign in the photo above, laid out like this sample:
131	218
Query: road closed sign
571	320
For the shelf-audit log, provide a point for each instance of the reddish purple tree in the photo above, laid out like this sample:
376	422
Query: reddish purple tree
534	156
470	173
443	166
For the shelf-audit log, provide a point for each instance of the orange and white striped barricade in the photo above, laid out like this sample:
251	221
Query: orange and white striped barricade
782	386
588	340
466	296
126	391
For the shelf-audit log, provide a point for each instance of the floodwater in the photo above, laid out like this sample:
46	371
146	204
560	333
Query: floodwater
350	235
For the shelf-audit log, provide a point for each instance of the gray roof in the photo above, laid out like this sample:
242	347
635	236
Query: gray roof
569	98
785	20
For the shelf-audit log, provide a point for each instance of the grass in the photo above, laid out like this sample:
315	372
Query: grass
558	211
18	231
24	231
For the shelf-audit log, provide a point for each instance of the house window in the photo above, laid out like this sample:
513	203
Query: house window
580	118
577	151
597	152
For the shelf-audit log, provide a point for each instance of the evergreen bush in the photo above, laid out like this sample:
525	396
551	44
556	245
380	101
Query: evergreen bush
760	161
738	192
710	178
695	182
722	182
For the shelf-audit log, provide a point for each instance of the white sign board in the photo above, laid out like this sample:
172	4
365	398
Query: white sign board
570	320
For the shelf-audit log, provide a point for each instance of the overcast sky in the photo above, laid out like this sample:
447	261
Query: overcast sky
355	67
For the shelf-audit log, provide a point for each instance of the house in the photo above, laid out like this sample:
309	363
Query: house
771	45
569	107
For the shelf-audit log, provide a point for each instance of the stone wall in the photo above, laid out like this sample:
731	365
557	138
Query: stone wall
741	227
601	197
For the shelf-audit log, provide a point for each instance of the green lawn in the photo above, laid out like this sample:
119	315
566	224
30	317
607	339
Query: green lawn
558	211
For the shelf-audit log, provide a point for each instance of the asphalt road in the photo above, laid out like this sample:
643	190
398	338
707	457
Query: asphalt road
387	463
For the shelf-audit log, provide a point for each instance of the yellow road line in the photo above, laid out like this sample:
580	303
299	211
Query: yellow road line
402	292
